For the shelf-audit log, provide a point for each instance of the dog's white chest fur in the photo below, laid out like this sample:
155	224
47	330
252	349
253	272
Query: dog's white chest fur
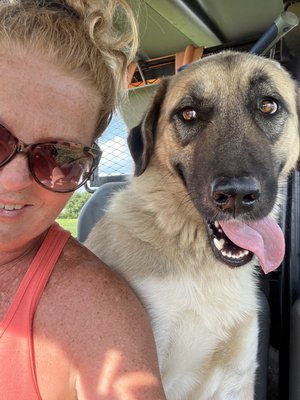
189	327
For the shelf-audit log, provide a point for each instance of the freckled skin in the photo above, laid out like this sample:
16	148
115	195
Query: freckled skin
87	318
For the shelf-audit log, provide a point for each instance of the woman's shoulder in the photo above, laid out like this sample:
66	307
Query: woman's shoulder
84	292
81	271
91	291
91	313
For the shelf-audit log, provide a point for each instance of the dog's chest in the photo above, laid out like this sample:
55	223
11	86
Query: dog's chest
190	319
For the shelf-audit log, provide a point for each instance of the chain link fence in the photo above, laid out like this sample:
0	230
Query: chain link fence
116	162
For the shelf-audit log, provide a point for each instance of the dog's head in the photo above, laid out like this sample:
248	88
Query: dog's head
226	128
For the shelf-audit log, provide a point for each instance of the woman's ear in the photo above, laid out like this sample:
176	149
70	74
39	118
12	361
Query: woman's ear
141	138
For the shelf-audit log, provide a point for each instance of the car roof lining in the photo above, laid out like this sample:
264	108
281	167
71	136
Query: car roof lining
170	25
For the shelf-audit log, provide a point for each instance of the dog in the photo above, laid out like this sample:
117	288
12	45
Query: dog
187	232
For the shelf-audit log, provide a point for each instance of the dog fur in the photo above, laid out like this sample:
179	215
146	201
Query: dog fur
154	233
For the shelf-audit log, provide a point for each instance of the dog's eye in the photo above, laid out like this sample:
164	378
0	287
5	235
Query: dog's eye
267	106
188	114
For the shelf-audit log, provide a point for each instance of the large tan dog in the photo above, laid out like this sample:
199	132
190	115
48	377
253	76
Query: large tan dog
210	154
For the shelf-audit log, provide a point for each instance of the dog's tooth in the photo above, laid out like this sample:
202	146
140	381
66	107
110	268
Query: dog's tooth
219	243
243	253
217	224
226	254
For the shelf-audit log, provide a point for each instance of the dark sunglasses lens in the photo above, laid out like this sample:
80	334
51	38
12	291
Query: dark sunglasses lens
61	167
8	144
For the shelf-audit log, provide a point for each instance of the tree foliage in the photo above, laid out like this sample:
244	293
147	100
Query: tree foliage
74	205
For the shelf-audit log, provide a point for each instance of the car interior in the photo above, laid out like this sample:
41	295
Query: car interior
174	33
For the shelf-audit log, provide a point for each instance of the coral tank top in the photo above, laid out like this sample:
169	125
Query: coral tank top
17	367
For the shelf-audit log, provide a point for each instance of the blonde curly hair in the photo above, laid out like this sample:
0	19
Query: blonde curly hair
81	37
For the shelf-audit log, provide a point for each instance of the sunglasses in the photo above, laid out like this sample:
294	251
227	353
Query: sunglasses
57	165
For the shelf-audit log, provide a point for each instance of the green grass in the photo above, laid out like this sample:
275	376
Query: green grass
69	225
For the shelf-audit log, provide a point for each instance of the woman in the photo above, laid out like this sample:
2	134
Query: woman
70	328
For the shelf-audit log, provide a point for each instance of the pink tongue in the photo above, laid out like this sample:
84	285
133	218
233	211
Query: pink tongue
264	238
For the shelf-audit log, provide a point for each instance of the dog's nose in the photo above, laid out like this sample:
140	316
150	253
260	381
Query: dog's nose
235	195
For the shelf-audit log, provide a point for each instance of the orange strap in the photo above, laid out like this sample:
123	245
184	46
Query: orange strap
17	366
190	54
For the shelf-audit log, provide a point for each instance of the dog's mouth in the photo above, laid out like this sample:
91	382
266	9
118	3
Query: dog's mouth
235	242
224	249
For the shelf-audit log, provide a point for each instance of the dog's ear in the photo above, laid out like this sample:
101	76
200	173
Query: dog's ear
141	138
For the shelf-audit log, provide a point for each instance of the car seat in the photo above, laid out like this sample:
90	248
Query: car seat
94	208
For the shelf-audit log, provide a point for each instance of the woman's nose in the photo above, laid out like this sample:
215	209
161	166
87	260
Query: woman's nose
16	175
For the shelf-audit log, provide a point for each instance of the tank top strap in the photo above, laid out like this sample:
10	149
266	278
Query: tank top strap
38	273
45	260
